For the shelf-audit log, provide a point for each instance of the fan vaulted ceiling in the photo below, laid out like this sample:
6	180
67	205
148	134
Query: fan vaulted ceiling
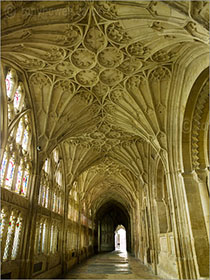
99	75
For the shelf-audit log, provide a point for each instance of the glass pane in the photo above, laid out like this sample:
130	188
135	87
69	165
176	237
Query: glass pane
16	238
25	183
10	83
51	239
46	199
9	237
19	132
43	238
25	139
3	167
10	173
2	223
39	238
19	179
46	165
17	98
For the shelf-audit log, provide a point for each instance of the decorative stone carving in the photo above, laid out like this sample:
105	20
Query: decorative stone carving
70	36
191	27
100	89
87	77
95	39
162	56
83	59
160	73
130	65
138	49
116	94
39	79
111	77
76	10
54	54
106	9
110	57
65	68
117	34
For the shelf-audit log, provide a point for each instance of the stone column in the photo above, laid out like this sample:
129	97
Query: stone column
99	236
204	195
197	223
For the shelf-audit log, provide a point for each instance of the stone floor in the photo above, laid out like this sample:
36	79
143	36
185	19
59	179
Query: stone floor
113	265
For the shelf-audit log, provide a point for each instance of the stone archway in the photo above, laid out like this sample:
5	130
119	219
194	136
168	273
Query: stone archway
120	238
196	165
108	218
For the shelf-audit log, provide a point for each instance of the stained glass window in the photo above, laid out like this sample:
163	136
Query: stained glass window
40	238
25	139
25	182
2	222
46	165
19	132
9	237
46	198
43	237
3	167
19	179
10	173
10	83
16	241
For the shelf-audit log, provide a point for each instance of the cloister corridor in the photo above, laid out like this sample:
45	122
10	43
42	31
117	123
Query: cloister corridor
104	130
111	265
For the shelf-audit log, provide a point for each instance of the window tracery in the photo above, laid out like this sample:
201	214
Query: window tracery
11	233
73	212
15	170
41	236
51	192
54	237
15	94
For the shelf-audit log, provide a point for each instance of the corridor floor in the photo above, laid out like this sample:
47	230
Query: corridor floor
113	265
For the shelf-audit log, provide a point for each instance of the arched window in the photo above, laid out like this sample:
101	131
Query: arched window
11	233
40	244
15	94
73	208
51	192
16	164
54	237
45	185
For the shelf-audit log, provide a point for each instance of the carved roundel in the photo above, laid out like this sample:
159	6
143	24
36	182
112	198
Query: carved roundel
87	77
137	49
116	94
111	77
130	65
83	59
110	57
100	89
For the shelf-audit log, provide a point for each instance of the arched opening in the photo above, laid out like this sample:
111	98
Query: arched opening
195	166
120	238
111	218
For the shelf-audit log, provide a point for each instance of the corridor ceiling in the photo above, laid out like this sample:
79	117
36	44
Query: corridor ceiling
99	76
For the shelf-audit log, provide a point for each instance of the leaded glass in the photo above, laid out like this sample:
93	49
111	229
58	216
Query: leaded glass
17	98
19	179
3	167
25	139
10	173
19	132
16	238
43	237
25	182
9	237
10	83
